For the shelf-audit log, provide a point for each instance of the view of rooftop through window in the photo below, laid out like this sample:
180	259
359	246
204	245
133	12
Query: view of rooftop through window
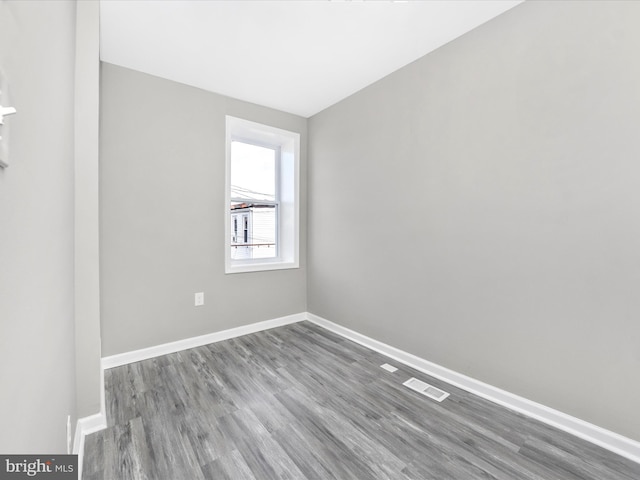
253	201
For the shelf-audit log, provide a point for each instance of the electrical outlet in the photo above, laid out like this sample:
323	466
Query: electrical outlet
199	300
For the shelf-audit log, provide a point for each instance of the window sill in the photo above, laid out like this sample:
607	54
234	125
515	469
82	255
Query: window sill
260	267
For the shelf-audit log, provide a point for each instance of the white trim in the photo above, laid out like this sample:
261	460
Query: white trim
288	194
103	404
173	347
91	424
84	427
97	422
607	439
612	441
264	266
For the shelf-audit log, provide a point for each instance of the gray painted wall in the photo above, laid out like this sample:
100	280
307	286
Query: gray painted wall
479	208
162	164
87	255
37	362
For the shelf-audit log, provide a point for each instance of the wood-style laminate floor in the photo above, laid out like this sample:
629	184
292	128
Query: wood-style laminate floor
299	402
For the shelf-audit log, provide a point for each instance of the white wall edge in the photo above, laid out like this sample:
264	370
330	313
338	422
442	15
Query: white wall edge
91	424
84	427
103	403
173	347
607	439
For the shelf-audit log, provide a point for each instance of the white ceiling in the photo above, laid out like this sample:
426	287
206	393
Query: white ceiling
296	56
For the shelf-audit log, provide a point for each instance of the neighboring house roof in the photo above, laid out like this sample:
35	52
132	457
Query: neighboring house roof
242	206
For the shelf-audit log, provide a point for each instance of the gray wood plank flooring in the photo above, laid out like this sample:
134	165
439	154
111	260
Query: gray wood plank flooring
299	402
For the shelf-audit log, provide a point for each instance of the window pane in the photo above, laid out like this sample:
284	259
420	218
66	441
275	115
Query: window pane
253	172
262	176
255	236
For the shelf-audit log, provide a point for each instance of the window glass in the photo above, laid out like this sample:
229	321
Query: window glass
262	208
253	172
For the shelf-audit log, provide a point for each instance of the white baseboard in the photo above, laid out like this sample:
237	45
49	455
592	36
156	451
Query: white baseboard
91	424
612	441
173	347
84	427
607	439
97	422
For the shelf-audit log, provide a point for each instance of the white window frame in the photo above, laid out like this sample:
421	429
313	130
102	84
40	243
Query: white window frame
287	146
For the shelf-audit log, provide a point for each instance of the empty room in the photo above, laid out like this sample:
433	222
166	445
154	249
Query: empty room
320	239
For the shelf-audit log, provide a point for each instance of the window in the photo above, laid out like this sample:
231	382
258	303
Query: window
235	230
262	210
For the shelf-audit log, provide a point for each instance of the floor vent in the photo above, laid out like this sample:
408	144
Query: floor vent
389	368
426	389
